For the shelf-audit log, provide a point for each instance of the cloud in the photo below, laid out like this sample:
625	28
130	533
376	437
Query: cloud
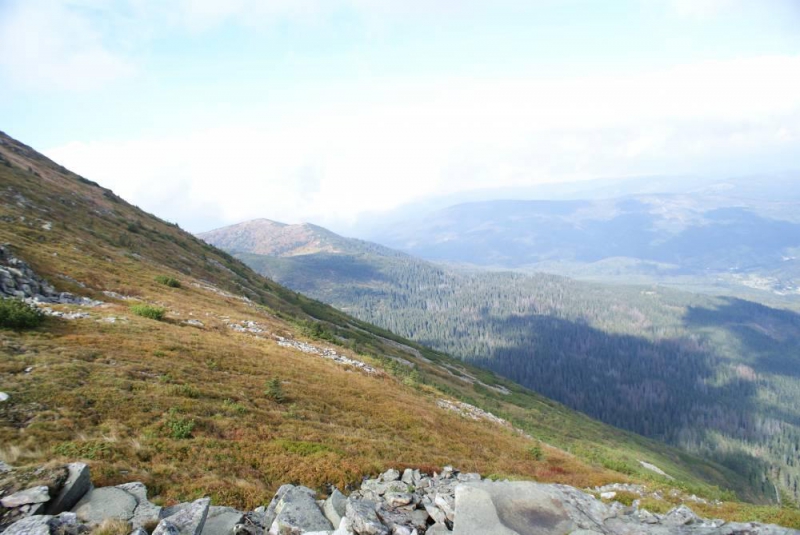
391	142
54	45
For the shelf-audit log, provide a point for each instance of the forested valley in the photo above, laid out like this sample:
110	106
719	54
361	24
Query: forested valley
715	376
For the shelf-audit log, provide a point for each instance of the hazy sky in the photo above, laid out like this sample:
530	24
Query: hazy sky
209	112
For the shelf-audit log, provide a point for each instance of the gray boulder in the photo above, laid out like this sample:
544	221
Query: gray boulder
32	525
62	524
390	475
145	511
680	516
76	486
222	520
297	512
107	502
335	507
188	521
364	518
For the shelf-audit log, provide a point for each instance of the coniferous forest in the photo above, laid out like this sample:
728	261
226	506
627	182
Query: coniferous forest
716	376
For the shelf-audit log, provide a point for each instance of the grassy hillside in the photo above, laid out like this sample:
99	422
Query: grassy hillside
715	376
201	408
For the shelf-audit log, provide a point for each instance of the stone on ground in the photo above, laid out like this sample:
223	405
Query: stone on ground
222	520
76	486
32	495
107	502
297	512
188	521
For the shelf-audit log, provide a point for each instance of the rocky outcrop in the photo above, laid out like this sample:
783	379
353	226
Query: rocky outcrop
411	503
17	279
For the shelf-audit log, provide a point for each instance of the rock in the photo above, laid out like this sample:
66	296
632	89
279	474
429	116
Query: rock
446	504
680	516
434	512
3	396
28	496
4	467
408	476
167	512
608	495
398	499
32	525
508	508
139	531
390	475
477	514
66	524
62	524
439	529
296	512
106	502
363	517
345	528
253	523
335	507
76	486
145	511
188	521
222	521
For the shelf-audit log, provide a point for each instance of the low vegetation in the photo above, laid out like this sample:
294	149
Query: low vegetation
17	314
149	311
172	282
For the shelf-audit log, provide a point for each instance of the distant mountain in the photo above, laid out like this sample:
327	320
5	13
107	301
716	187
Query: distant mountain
684	239
687	369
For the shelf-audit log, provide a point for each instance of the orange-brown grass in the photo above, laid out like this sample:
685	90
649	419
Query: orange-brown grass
104	392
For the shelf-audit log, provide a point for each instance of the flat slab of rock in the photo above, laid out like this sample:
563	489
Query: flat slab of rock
76	486
107	502
29	496
221	520
510	508
297	512
188	521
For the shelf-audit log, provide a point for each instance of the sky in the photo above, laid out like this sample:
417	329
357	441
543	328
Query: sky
208	113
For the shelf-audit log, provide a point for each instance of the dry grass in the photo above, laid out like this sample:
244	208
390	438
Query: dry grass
112	526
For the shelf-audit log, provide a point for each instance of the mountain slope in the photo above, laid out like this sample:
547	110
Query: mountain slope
690	240
224	398
716	376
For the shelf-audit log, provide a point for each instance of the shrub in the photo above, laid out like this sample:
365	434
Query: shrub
17	314
172	282
149	311
178	426
274	391
536	452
